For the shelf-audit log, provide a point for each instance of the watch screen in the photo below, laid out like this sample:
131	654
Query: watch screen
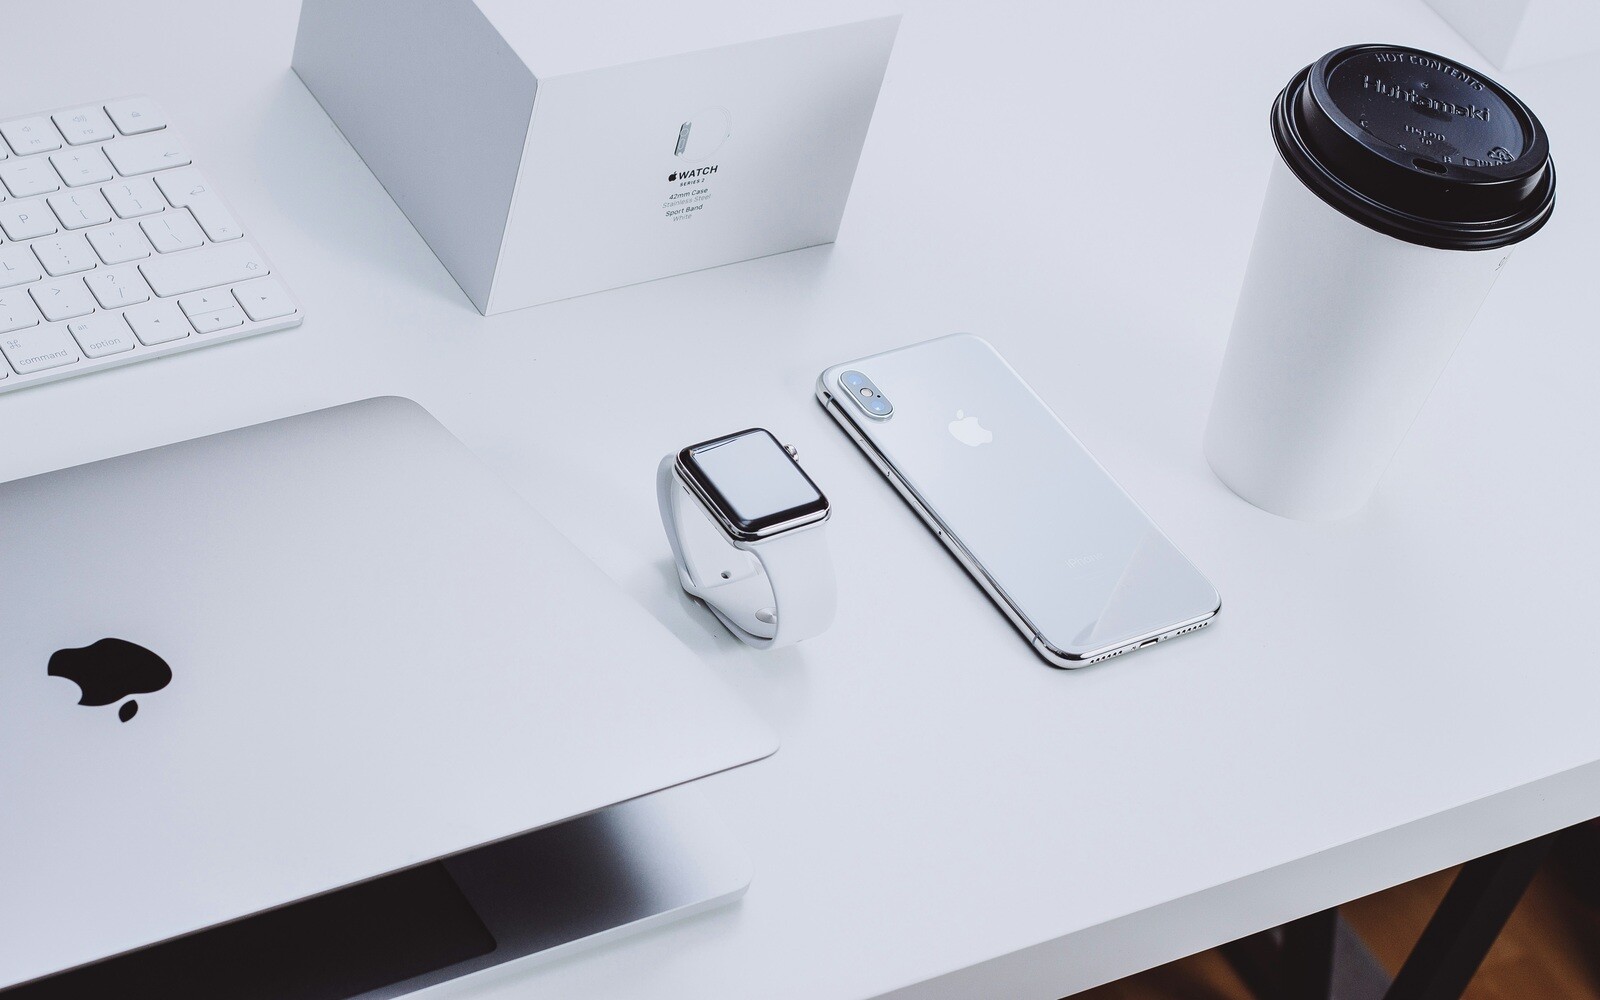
752	480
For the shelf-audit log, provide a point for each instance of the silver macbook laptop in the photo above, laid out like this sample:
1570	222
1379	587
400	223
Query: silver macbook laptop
252	668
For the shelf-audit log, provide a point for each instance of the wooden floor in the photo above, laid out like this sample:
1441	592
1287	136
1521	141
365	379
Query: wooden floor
1549	950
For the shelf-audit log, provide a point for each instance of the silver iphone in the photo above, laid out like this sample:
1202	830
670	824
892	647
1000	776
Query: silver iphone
1079	569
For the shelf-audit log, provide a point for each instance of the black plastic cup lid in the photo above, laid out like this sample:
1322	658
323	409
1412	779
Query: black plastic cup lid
1417	146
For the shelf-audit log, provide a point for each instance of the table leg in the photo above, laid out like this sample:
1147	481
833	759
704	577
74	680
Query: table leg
1320	957
1467	922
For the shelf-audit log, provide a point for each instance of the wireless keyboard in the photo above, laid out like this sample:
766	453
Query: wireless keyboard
117	248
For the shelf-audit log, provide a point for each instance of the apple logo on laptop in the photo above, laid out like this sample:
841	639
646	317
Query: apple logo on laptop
969	431
109	671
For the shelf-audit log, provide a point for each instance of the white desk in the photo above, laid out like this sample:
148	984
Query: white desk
1381	697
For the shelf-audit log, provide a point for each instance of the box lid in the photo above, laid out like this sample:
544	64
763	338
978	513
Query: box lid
558	38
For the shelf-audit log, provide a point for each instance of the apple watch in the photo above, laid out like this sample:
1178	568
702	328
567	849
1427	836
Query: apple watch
746	527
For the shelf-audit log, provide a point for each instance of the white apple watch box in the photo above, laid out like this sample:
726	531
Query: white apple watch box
544	154
1513	34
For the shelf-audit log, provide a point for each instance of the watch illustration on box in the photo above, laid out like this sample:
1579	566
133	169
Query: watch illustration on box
703	134
746	527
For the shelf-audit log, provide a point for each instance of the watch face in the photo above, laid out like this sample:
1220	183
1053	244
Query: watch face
752	484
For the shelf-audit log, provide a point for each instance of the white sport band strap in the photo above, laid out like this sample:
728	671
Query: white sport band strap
769	593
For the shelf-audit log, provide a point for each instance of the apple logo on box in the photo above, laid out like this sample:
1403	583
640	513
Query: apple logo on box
109	671
969	431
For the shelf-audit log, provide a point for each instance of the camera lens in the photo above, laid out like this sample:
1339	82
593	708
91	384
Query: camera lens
865	393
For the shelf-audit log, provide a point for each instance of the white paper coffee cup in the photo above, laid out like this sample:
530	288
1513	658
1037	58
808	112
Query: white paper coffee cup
1402	183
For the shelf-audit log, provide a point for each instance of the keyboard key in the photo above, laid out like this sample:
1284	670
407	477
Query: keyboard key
64	254
222	319
17	311
264	299
60	300
18	265
204	302
101	334
26	178
174	231
80	209
120	243
136	115
81	125
24	220
212	310
183	185
215	219
31	135
82	166
142	154
39	348
117	287
157	323
133	198
188	188
223	264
